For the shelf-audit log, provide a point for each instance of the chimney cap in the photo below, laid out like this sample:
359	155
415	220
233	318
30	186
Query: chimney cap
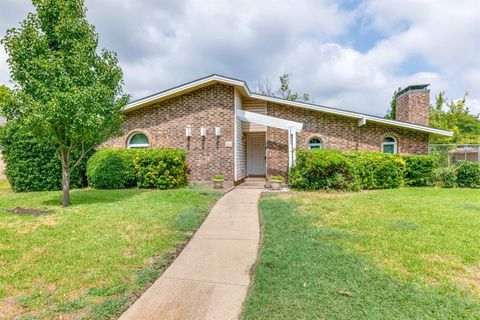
415	87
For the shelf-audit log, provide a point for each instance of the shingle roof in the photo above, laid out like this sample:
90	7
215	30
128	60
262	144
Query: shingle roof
242	85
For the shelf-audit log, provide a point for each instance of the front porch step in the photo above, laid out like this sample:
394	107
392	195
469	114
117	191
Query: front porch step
254	183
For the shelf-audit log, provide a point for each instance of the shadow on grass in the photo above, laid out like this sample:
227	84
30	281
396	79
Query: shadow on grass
94	196
303	274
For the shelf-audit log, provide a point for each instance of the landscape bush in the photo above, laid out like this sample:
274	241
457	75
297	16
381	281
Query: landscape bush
33	163
112	169
376	170
143	168
323	170
420	170
446	177
161	168
468	174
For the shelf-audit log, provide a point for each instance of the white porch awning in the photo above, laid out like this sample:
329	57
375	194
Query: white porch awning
269	121
291	126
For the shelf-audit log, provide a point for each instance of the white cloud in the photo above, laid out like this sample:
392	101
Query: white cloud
244	39
4	72
474	105
164	43
443	33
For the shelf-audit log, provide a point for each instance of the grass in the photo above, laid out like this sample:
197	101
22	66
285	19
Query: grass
409	253
4	187
91	259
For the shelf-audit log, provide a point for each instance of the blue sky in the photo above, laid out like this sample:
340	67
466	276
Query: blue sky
347	54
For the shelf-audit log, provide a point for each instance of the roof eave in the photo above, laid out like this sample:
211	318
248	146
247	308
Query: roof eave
244	90
185	88
412	126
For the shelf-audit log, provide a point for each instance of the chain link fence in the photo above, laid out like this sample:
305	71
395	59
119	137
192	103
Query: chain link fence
450	153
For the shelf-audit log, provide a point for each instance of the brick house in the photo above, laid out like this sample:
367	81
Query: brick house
231	131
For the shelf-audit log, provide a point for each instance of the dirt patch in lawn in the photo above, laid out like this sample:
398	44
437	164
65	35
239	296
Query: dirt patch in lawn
9	308
470	279
28	211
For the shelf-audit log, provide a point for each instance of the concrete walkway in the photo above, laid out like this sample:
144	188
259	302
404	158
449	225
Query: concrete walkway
210	277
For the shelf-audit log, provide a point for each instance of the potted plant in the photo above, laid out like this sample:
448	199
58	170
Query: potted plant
276	182
218	181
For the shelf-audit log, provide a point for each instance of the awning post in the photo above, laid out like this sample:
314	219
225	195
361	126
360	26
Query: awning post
292	146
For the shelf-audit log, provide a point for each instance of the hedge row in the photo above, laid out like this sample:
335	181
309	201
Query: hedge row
332	169
377	170
463	174
324	170
33	163
144	168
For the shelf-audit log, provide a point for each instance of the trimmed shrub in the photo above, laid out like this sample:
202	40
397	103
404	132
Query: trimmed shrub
420	170
161	168
447	177
144	168
112	169
33	163
323	169
468	174
376	170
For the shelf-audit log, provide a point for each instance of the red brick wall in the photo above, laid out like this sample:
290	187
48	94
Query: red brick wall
213	106
414	107
165	123
336	133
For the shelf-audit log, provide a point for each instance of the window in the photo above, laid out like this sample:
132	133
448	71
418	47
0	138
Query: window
138	140
315	143
389	145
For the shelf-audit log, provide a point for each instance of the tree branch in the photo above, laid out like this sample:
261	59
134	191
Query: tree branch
82	154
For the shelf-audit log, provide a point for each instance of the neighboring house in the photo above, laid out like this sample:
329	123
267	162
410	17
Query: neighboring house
229	130
2	164
465	153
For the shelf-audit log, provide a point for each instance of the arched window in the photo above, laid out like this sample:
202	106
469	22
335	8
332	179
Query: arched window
315	143
138	140
389	145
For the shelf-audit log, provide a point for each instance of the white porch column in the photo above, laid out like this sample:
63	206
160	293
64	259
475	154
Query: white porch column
292	146
291	126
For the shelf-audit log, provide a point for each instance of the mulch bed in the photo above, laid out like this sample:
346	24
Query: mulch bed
26	211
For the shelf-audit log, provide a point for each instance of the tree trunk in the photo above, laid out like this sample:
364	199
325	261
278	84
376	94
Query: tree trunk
65	187
65	160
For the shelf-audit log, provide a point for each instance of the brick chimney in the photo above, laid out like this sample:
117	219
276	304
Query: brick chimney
413	104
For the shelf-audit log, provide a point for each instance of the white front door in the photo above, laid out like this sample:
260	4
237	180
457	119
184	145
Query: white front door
256	165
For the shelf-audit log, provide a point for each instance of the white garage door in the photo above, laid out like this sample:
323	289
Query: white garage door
256	154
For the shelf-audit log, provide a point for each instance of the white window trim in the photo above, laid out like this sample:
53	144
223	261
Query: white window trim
319	145
389	143
141	145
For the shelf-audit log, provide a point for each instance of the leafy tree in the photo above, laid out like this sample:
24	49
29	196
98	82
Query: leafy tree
6	98
283	91
455	116
33	162
5	94
392	112
286	92
448	115
65	89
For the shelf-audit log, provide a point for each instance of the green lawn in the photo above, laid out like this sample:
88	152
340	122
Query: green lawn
91	259
410	253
